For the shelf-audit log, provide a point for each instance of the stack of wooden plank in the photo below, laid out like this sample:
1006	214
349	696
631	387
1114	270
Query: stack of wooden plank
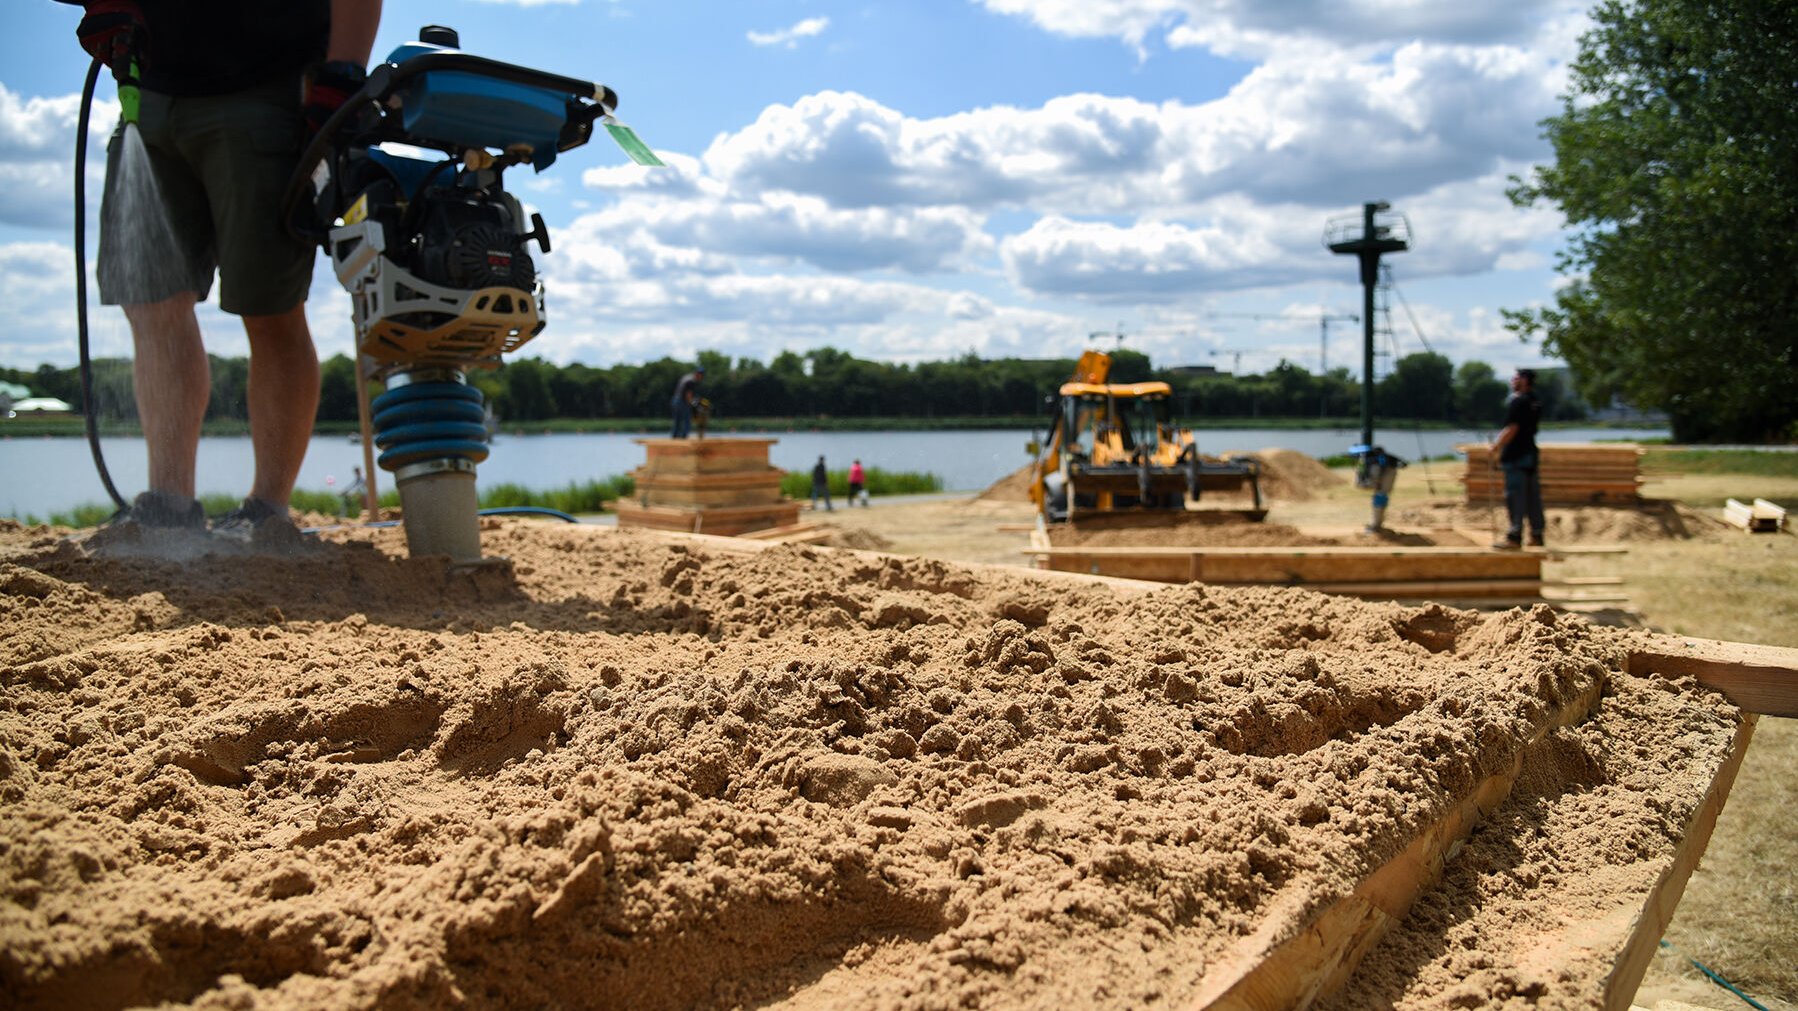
1573	473
1763	517
712	486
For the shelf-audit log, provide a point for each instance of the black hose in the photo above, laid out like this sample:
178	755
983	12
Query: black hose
88	408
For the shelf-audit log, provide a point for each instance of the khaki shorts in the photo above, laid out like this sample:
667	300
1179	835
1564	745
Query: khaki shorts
203	192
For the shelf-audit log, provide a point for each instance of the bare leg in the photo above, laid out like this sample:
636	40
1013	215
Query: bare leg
173	383
283	400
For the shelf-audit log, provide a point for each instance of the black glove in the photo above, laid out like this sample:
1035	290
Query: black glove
328	86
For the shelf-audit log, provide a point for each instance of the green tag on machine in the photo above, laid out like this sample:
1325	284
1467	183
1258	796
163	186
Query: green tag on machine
631	144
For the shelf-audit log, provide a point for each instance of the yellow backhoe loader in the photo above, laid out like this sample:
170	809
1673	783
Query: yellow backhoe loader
1113	450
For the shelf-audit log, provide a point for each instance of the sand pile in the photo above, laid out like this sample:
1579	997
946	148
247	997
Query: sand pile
630	773
1291	476
1591	524
1013	487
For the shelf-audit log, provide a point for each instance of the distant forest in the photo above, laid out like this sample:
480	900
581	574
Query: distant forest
829	383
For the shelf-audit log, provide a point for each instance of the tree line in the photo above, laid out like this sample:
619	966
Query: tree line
830	383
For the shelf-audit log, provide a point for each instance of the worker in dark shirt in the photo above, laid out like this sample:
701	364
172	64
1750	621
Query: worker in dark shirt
686	397
230	92
1515	451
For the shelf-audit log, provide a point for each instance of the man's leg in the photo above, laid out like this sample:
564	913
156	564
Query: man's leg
283	400
173	383
1515	494
1532	494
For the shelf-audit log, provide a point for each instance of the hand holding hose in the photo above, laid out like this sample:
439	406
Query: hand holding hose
114	32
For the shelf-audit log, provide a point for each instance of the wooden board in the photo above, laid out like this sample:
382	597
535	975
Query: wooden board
1760	679
721	521
1474	571
1264	974
1657	911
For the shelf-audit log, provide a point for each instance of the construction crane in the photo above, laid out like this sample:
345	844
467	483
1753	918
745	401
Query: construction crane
1236	368
1116	335
1324	319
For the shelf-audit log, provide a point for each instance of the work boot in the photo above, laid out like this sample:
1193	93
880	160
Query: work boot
1535	541
1508	544
258	524
149	512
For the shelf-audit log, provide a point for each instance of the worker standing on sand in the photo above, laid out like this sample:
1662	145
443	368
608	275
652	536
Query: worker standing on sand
856	477
686	397
1515	451
229	92
821	486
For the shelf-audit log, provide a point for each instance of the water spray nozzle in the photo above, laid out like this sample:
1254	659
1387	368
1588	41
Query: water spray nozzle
130	94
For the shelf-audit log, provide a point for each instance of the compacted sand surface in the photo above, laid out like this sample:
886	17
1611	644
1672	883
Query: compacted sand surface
632	772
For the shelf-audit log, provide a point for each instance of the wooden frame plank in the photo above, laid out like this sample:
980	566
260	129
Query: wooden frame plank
1264	973
1651	923
1759	679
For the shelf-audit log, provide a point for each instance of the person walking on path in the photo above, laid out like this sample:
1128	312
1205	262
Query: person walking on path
821	486
856	477
1515	451
229	94
353	493
686	398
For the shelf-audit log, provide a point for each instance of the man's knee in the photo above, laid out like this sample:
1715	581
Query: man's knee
281	330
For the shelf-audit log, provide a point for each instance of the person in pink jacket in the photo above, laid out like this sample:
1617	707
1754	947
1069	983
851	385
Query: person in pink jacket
856	478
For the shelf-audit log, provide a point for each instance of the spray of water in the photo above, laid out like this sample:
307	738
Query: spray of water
137	224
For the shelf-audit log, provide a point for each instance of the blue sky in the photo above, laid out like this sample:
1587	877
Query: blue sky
915	181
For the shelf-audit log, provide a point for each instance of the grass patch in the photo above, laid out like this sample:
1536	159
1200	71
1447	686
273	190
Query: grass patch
1739	462
798	484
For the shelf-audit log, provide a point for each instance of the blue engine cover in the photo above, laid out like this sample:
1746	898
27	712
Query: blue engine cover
455	107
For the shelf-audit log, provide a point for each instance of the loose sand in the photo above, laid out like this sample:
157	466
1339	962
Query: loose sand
633	773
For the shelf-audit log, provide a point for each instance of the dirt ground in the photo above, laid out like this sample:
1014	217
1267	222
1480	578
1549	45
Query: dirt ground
627	771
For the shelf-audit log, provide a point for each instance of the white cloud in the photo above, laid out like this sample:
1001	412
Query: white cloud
1150	261
1247	28
789	37
1316	132
37	148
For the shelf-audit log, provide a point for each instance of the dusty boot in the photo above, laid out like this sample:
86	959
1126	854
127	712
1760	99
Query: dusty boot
258	524
150	515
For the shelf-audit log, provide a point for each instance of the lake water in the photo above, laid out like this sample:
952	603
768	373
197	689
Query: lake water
40	476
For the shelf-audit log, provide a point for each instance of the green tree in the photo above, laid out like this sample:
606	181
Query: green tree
1421	386
1479	394
1676	164
337	389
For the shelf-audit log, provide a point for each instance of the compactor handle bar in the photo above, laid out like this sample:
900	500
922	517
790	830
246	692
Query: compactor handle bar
592	101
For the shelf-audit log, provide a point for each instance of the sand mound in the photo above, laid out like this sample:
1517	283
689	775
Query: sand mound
634	772
1292	476
860	540
1592	524
1013	487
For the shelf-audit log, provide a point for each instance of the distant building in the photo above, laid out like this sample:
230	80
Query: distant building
11	393
39	406
1193	370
